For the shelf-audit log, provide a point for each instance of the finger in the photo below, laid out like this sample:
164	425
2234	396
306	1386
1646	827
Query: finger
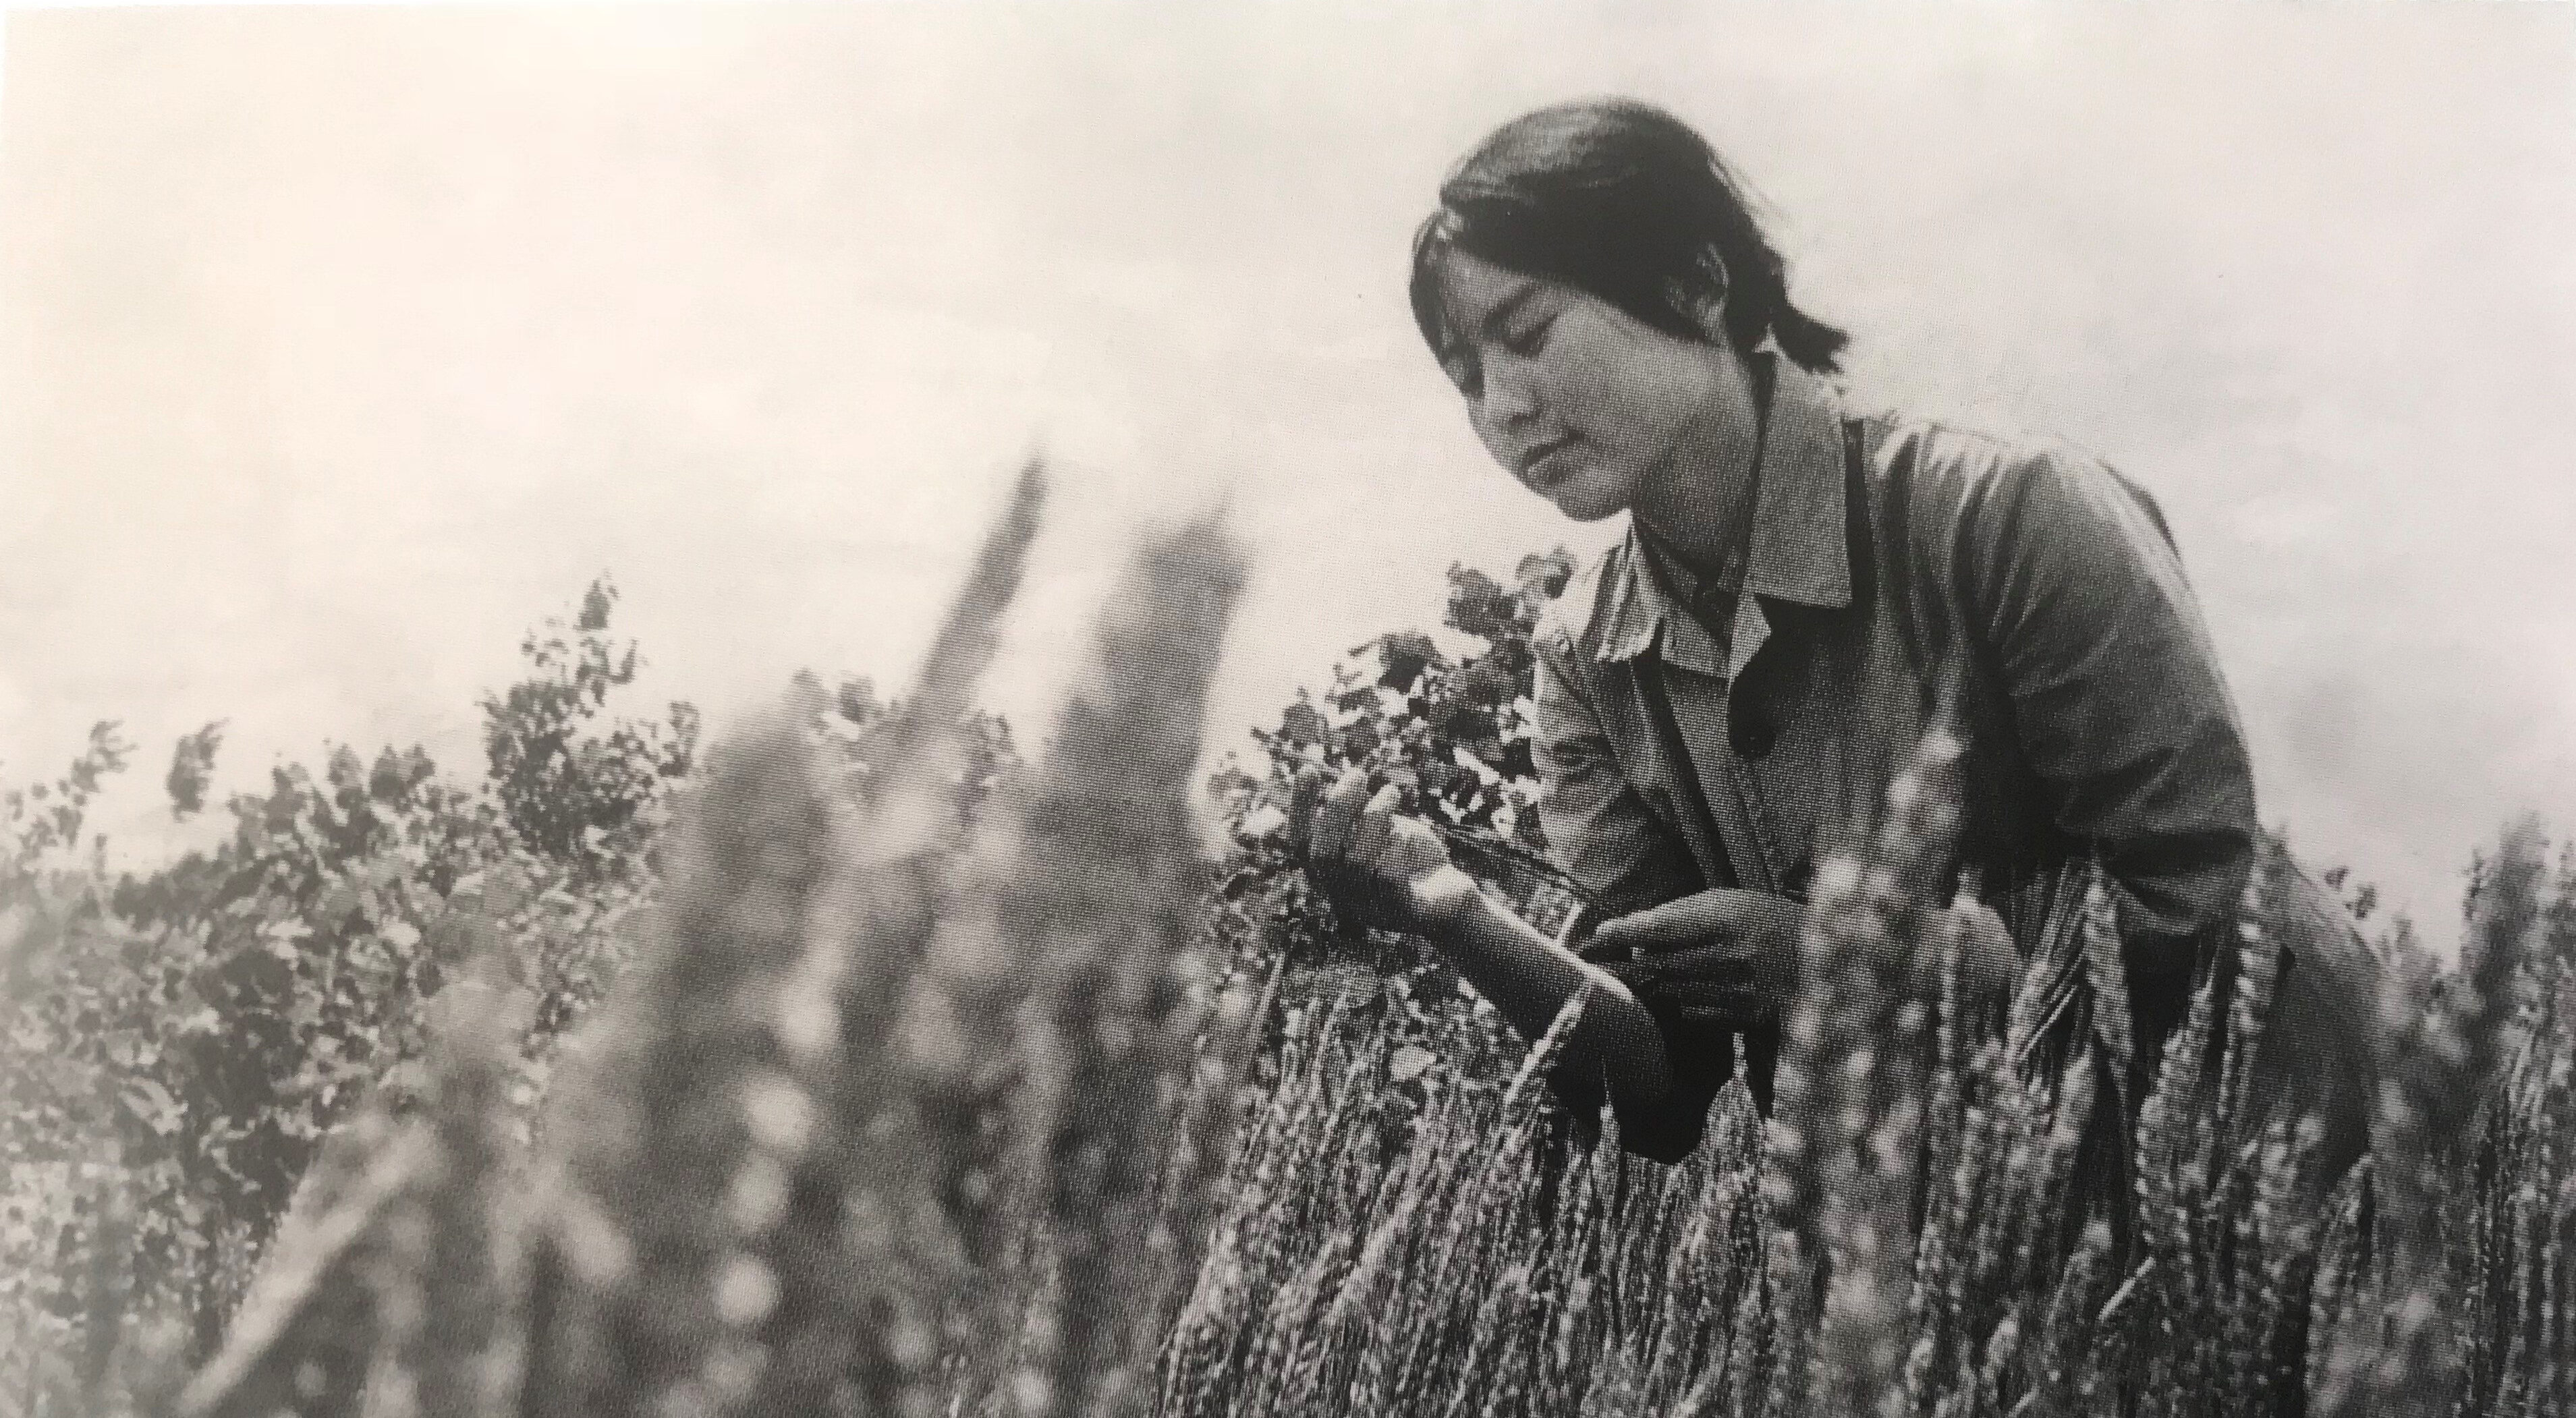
1338	814
1986	931
1412	848
1688	919
1691	918
1989	960
1722	961
1376	826
1611	954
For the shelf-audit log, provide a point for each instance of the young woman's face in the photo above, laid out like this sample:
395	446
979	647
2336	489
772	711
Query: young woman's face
1585	404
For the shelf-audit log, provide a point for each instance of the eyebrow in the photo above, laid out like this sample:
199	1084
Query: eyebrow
1491	326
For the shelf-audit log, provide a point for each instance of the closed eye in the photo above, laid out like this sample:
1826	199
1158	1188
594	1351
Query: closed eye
1532	338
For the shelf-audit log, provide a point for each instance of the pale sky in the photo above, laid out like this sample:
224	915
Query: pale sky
339	346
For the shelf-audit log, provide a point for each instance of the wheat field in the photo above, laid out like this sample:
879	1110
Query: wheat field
856	1065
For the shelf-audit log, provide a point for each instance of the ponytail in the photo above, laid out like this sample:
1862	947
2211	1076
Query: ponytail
1625	202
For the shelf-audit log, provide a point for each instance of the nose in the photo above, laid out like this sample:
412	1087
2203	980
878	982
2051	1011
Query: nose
1511	396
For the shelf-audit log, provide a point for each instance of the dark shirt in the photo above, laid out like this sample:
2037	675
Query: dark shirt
2095	718
1736	733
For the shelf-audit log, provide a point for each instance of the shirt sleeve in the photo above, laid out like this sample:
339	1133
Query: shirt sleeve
1598	827
1601	830
2123	714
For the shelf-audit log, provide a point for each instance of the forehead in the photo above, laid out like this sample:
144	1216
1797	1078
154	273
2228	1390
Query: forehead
1473	290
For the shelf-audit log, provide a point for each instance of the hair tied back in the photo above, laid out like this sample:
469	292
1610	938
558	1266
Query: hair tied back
1624	202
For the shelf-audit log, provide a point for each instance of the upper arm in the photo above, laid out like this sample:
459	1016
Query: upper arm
2123	713
1598	826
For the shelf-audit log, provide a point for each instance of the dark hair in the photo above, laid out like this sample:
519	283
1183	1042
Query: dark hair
1623	201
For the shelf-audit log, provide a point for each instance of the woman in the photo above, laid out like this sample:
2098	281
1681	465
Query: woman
1718	689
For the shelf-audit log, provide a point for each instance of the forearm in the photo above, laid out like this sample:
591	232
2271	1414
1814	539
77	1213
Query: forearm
1394	873
1530	979
2177	897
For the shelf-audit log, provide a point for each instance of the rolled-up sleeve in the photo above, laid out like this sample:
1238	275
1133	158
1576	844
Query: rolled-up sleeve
2123	715
1598	827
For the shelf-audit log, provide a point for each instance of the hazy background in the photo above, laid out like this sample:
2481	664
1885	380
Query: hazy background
339	346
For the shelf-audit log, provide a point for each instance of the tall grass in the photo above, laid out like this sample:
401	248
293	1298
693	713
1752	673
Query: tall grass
877	1119
1491	1262
1016	1108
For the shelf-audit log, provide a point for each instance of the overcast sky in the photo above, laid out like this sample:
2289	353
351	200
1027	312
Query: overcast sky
339	346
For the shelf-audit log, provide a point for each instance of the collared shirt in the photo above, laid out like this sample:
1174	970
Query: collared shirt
2089	699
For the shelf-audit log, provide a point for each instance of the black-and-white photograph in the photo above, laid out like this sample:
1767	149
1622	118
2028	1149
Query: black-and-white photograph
1015	710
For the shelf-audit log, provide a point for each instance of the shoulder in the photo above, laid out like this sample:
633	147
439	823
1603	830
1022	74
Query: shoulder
1972	465
1570	628
1969	485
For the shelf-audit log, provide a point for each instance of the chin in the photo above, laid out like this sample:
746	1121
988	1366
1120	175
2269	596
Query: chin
1587	504
1578	510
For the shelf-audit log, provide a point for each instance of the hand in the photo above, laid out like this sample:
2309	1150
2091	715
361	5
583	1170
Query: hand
1381	871
1989	962
1722	956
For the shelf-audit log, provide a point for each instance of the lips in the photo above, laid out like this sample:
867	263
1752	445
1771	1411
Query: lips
1534	461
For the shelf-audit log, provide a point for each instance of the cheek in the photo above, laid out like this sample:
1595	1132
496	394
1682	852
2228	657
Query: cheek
1488	432
1636	407
1589	383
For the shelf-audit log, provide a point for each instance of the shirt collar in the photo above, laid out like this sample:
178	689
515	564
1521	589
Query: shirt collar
1800	548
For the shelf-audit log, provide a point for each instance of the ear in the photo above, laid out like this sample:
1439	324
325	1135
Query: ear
1705	298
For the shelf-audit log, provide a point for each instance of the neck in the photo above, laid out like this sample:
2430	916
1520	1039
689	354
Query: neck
1700	506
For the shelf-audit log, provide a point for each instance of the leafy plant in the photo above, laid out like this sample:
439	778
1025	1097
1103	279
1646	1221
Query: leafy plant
930	1082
